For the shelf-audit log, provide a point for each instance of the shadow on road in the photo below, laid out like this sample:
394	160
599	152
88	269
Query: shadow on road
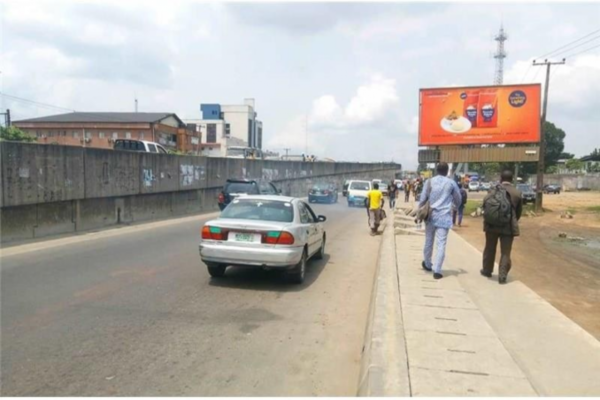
258	279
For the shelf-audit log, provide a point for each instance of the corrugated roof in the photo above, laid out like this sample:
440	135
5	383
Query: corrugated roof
131	117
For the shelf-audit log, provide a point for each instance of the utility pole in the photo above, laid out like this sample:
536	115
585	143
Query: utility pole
541	162
287	151
6	118
306	136
136	105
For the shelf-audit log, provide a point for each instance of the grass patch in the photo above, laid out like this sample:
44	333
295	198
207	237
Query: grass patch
594	209
472	205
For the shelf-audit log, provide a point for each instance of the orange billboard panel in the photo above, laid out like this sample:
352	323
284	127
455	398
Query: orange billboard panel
479	115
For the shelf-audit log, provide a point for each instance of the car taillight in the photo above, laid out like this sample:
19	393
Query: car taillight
275	237
213	233
221	198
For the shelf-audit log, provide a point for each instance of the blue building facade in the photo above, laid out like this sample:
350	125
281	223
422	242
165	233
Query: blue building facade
210	111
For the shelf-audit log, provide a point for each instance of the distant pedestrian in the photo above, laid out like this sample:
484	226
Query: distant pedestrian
393	193
407	188
441	192
502	209
461	209
374	204
418	188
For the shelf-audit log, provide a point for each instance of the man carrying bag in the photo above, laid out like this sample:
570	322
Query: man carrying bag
502	209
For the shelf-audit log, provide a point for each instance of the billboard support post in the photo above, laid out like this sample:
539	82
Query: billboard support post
541	163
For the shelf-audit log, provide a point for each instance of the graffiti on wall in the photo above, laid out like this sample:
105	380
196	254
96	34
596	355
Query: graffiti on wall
191	173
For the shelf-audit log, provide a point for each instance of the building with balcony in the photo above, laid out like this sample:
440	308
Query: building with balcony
226	127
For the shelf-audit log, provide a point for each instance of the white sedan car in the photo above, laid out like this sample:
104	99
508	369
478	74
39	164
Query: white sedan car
269	232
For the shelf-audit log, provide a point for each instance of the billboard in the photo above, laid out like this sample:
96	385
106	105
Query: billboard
479	115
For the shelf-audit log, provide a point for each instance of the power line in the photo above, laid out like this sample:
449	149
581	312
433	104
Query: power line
574	47
35	102
526	72
583	51
568	44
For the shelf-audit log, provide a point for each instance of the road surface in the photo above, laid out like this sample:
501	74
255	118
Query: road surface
133	312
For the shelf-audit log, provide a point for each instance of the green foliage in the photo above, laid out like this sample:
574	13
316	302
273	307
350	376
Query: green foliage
555	143
552	169
574	164
15	134
566	156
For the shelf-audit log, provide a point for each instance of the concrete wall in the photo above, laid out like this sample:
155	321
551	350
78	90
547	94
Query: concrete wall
574	181
50	190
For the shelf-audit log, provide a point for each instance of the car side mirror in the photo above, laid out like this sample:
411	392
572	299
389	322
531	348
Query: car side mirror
279	191
322	218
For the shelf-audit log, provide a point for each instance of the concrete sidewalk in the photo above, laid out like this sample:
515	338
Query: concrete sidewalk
466	335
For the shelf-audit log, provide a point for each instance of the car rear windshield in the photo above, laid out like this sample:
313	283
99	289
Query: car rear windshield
259	210
320	186
359	186
524	188
242	187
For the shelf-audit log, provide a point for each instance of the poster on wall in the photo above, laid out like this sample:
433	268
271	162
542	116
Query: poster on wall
479	115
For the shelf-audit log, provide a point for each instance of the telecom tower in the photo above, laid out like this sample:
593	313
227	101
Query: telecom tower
500	56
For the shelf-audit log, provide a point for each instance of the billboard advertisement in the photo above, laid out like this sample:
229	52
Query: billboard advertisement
479	115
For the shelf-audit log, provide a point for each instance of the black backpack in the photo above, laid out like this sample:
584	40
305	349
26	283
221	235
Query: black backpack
497	209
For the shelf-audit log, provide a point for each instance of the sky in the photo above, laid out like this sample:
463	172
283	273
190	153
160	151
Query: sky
338	79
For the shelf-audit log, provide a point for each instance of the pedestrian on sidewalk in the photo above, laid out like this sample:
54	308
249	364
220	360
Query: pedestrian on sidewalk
461	209
501	225
417	188
393	193
407	187
374	203
441	192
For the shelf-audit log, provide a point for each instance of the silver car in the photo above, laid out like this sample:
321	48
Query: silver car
269	232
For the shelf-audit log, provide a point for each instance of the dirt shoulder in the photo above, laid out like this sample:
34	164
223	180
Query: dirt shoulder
564	272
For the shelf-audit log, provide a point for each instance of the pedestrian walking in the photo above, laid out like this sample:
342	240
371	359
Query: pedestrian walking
418	188
440	193
393	193
374	204
502	208
458	212
407	189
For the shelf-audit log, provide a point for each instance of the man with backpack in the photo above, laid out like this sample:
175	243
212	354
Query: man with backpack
461	208
502	209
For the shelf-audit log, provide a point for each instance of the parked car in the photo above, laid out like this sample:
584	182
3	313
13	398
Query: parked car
485	186
474	186
345	188
383	187
268	232
552	189
399	184
527	193
323	192
139	145
238	187
357	193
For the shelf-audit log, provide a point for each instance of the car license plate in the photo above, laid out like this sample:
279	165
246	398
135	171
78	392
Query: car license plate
244	237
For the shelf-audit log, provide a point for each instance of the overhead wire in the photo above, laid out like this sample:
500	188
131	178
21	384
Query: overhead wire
568	44
583	51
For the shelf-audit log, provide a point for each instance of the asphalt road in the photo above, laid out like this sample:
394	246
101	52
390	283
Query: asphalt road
133	312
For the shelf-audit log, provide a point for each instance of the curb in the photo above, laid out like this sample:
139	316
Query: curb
384	362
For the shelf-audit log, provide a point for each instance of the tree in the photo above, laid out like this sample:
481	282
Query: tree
566	156
554	138
574	164
15	134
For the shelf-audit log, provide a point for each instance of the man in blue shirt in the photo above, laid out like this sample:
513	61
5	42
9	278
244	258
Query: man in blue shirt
441	192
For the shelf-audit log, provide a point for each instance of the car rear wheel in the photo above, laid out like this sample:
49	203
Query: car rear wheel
298	273
216	270
321	253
